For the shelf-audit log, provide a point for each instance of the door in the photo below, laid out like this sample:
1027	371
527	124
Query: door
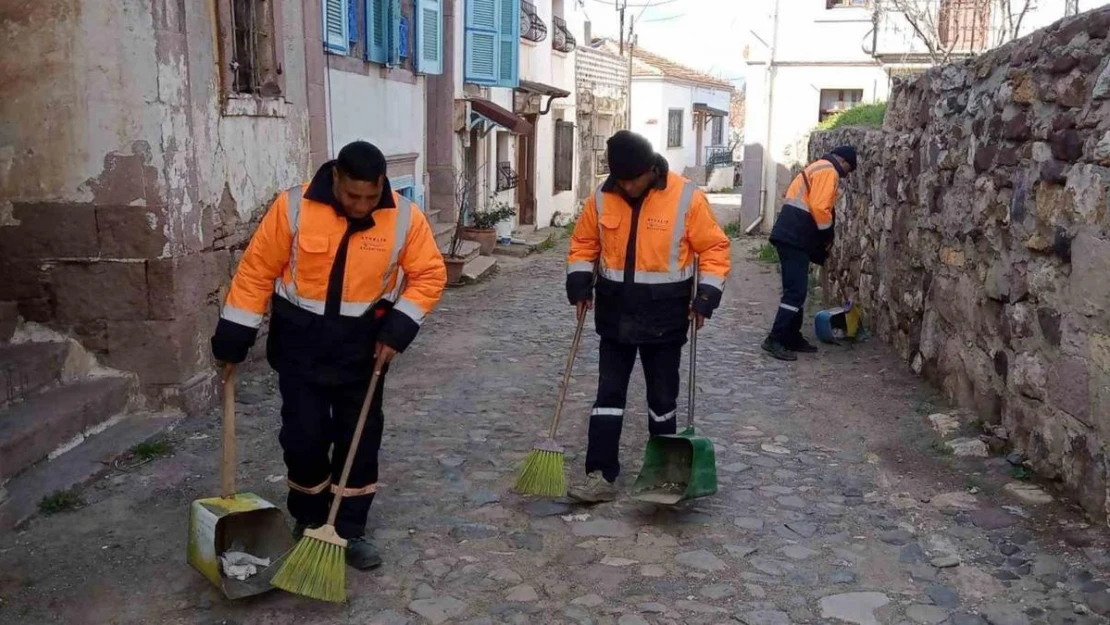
526	170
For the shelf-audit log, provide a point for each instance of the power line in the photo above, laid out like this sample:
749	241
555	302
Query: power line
641	6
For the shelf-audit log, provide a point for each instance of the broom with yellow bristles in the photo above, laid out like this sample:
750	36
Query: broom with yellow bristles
317	566
543	473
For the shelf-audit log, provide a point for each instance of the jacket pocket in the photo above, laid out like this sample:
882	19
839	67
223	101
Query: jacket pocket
610	231
313	261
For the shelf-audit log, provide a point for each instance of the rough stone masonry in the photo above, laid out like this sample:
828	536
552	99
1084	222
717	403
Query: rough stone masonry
977	239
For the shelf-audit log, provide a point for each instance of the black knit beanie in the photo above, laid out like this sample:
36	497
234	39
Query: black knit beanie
630	155
846	152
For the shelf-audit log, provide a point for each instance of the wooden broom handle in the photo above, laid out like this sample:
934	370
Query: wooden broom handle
227	464
355	441
570	362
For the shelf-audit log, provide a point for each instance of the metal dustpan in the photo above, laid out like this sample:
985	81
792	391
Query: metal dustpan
679	466
233	521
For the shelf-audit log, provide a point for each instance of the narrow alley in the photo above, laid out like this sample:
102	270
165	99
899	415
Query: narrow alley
835	504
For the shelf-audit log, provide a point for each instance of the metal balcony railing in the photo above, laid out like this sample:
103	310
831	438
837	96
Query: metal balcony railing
506	177
718	156
562	41
532	27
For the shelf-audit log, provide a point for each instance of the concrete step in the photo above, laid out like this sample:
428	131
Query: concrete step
19	498
468	250
9	319
26	368
45	423
479	268
443	232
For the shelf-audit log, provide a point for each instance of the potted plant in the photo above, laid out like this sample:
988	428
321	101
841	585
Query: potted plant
454	260
483	225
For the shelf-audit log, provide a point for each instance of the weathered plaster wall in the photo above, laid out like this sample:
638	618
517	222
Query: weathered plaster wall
124	187
977	237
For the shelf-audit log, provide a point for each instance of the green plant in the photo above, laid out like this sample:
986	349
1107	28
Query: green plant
568	228
767	253
867	115
150	450
60	501
1022	473
495	212
734	229
548	243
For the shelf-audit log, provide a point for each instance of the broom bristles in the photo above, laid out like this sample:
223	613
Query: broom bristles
316	569
542	474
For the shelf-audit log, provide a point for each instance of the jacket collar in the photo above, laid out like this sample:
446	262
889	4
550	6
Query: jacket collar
836	164
321	189
662	170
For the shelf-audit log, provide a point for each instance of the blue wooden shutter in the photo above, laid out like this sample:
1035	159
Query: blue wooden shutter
429	36
508	44
481	42
336	32
377	31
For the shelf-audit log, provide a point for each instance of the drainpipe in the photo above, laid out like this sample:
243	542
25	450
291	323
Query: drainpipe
763	213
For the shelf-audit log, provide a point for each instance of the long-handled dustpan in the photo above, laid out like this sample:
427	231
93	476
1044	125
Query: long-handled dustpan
684	465
236	523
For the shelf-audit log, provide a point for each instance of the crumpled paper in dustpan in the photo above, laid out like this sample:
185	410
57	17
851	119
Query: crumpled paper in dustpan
241	565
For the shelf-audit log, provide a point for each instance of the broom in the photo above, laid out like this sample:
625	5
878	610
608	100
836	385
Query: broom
542	473
317	566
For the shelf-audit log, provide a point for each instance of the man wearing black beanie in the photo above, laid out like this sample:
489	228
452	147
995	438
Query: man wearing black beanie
648	232
804	233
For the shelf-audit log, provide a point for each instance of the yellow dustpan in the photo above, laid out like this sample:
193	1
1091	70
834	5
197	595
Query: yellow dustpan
239	523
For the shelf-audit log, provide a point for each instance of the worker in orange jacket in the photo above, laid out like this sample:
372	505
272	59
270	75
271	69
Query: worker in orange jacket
804	233
644	228
348	270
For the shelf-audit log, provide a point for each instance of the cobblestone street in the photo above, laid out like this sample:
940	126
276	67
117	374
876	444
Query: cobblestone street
835	504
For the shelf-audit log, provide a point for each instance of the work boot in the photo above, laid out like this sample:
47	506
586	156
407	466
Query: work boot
778	350
801	345
596	489
361	554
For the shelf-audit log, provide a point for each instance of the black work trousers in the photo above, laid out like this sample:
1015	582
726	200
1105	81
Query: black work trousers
317	426
794	263
660	363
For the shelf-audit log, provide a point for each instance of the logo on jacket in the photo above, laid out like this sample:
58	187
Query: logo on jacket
658	224
373	243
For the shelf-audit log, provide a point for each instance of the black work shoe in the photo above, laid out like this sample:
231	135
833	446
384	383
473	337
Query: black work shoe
778	350
802	346
362	555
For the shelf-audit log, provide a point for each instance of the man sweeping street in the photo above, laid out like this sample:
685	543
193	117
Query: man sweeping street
803	233
348	270
644	228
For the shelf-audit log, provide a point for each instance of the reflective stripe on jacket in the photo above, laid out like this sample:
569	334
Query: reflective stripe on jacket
646	298
393	275
807	219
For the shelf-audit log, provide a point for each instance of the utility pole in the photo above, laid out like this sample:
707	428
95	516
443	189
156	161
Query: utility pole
631	47
622	9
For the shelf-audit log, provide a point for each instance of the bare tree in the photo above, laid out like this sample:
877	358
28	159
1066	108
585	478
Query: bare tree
950	28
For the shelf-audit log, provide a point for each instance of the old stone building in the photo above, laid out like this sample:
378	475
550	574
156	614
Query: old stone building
976	236
601	78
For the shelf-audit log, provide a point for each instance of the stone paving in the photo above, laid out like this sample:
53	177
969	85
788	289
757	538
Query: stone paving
833	507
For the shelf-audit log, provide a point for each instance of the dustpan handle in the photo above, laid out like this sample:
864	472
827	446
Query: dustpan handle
355	441
227	463
691	380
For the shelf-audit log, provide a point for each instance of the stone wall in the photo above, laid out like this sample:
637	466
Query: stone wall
977	238
128	179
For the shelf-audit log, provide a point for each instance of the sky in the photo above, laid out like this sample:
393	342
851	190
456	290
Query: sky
703	34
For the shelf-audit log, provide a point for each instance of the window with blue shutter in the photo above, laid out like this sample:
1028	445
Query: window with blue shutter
508	44
336	26
394	30
493	42
429	36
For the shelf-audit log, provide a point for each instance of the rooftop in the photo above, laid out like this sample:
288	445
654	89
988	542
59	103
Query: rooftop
646	64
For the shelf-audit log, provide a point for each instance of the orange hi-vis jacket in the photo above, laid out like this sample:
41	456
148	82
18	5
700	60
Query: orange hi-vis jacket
645	254
337	286
807	220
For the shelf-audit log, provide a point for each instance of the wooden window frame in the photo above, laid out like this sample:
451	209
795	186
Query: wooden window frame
566	166
673	128
242	103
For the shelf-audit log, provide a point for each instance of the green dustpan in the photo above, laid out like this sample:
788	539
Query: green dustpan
679	466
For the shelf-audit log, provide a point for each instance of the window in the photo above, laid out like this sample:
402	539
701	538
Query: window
963	25
532	27
834	101
387	33
564	156
847	4
674	128
250	49
492	43
718	131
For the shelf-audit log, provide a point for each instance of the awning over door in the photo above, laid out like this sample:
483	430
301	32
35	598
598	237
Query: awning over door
497	115
705	109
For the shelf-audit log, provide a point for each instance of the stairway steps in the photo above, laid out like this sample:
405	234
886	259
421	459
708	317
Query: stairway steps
26	368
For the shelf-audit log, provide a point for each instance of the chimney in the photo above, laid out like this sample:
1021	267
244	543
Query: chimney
586	34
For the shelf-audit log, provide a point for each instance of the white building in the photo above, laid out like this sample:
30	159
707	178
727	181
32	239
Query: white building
808	59
684	113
